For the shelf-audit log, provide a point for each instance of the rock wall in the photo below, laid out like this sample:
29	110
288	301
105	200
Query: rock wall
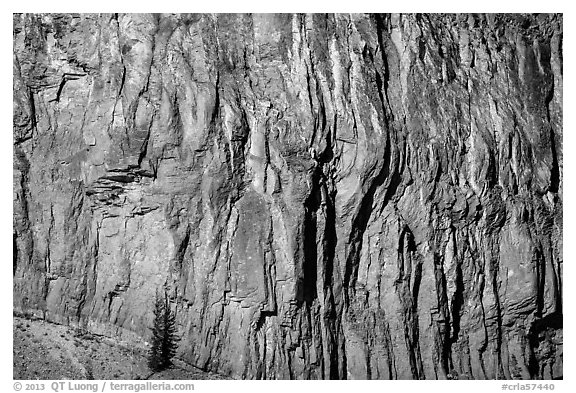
322	196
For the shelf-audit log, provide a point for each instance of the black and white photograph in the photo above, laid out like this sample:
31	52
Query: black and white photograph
287	196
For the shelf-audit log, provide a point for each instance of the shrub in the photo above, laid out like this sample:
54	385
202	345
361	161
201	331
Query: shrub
89	370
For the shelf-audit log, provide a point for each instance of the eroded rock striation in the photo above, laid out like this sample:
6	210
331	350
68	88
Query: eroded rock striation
322	196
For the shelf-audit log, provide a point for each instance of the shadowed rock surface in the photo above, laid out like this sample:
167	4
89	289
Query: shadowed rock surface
322	196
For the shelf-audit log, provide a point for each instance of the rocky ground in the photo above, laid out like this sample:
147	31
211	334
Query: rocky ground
44	350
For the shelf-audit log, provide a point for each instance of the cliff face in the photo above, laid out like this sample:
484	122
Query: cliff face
322	196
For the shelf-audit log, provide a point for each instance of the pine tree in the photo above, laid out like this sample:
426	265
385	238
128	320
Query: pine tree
164	338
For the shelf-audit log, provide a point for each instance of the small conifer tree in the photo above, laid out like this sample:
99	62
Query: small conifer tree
164	338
